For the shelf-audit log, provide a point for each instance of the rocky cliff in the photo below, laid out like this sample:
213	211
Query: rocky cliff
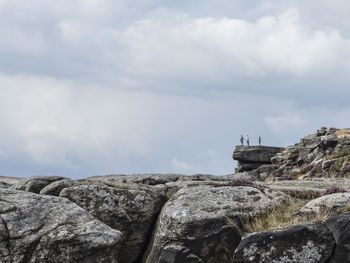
291	206
252	157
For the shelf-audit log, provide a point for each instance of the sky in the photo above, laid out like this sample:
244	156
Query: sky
93	87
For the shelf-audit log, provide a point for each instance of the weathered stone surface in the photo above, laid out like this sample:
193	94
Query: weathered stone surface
34	184
149	179
326	204
340	227
200	223
311	243
255	154
36	228
131	209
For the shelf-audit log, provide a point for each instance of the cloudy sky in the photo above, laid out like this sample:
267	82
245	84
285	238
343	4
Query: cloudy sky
93	87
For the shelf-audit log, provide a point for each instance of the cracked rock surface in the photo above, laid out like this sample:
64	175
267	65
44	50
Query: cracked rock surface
309	243
37	228
132	209
201	223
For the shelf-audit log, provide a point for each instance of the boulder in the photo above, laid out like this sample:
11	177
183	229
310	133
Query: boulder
37	228
34	184
328	163
56	187
311	141
311	243
340	227
327	204
202	223
329	141
131	209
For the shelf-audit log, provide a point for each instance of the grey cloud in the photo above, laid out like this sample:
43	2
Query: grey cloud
147	86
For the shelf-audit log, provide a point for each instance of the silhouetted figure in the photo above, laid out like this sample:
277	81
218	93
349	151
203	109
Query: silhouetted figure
242	140
247	139
260	140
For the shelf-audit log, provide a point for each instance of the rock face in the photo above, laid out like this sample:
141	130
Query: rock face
201	223
35	228
131	209
310	243
322	154
252	157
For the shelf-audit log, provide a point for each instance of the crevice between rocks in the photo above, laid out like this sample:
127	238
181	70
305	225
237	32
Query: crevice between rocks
149	238
7	239
331	258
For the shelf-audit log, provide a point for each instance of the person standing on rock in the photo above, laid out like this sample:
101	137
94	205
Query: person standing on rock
247	139
242	139
260	140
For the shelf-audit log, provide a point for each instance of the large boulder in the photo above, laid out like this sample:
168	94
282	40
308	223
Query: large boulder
34	184
131	209
202	223
312	243
327	204
36	228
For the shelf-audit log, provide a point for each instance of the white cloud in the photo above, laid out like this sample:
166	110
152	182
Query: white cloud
286	123
217	48
168	50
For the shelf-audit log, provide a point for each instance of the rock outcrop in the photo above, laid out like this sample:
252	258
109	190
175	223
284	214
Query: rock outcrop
252	157
37	228
322	154
173	218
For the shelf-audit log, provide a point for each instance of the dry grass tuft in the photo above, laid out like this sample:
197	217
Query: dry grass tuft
345	209
284	216
280	217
